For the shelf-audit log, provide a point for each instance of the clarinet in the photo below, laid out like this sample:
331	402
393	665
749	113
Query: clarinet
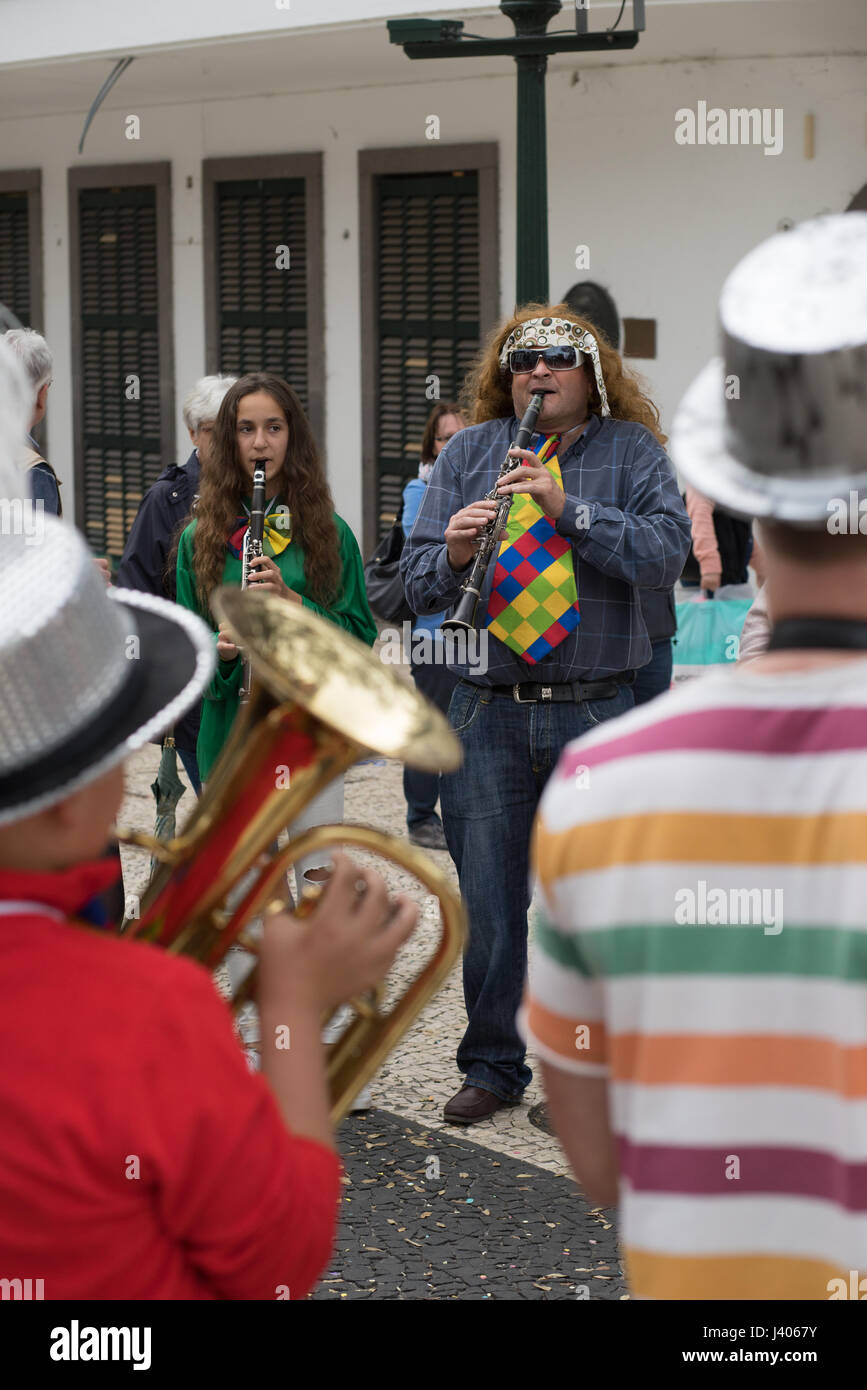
464	617
252	550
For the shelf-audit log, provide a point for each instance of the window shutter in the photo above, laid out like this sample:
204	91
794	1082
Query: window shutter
261	306
427	240
120	366
15	256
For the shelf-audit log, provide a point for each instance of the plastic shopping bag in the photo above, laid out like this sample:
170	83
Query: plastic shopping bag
708	634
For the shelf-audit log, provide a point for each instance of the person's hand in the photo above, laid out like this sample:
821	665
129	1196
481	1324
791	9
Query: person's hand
711	581
104	568
345	946
529	475
266	578
464	529
226	650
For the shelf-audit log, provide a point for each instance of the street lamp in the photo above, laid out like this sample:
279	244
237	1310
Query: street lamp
444	38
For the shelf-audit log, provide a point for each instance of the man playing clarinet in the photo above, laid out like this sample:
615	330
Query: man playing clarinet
596	516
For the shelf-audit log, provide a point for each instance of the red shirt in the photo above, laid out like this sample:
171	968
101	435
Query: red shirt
115	1060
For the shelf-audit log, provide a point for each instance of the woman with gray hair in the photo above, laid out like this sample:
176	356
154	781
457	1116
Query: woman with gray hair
164	510
202	406
35	356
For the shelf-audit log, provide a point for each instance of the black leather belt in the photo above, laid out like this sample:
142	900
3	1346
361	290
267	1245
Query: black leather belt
530	692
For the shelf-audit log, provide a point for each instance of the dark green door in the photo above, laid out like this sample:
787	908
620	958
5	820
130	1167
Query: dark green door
428	329
262	300
15	260
123	448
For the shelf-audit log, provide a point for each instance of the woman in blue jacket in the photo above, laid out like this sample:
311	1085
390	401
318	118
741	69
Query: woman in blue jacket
432	677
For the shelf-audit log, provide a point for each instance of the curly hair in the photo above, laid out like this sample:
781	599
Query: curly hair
224	485
487	391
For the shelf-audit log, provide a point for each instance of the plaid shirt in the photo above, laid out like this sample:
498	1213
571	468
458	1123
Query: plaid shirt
623	515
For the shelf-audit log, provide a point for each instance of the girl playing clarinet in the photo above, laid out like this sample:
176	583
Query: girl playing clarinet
310	554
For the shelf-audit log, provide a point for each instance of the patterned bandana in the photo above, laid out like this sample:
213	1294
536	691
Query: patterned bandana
534	598
275	538
550	332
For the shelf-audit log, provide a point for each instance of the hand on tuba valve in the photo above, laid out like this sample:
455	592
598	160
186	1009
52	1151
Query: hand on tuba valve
344	945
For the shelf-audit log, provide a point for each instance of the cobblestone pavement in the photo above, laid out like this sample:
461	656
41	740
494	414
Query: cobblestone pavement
408	1095
429	1214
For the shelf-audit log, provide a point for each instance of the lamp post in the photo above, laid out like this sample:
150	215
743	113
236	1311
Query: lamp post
434	38
531	212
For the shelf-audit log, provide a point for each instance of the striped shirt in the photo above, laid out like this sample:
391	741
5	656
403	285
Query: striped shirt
702	864
623	517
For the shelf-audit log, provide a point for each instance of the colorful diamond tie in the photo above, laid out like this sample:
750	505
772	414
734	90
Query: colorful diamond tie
534	598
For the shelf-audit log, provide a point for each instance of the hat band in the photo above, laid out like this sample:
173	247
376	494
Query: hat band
798	634
66	760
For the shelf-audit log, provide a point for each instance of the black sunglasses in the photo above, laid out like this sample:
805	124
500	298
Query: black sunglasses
557	359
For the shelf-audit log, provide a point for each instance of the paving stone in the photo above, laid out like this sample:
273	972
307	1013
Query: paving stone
463	1250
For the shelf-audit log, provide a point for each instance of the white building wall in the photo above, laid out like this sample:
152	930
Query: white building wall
663	222
666	222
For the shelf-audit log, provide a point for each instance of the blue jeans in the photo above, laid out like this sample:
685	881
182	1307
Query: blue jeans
421	789
488	805
654	678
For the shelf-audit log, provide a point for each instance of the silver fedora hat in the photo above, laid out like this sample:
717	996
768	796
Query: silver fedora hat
86	676
777	426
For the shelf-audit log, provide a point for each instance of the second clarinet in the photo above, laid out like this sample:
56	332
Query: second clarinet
464	617
252	550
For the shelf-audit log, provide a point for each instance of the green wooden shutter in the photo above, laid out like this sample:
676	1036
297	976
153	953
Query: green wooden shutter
119	334
262	309
15	256
427	239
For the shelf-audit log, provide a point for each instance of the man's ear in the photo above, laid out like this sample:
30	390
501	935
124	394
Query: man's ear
65	814
42	396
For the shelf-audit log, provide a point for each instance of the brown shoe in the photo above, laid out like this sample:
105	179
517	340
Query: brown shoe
472	1104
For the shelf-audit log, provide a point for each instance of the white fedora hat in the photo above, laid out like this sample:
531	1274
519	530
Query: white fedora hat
86	676
777	426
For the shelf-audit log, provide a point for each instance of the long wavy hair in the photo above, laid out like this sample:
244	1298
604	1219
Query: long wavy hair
487	391
224	485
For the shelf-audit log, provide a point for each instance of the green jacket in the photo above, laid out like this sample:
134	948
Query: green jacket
350	611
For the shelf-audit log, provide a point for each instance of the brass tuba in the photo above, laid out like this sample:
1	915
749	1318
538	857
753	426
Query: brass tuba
320	700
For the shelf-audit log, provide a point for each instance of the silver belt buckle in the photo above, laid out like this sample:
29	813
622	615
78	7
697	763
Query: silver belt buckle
545	695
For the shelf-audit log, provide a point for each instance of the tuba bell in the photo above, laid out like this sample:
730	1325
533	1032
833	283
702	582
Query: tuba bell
320	700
